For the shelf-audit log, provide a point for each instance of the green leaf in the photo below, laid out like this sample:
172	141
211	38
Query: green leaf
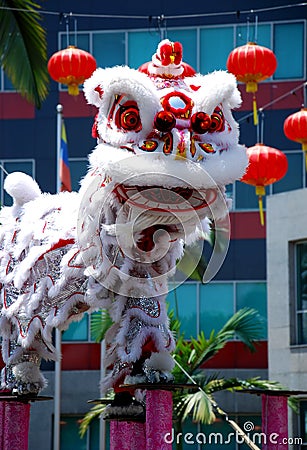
100	323
24	49
197	404
246	324
192	264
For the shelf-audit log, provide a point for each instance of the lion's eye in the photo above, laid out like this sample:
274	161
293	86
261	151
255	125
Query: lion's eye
125	114
128	118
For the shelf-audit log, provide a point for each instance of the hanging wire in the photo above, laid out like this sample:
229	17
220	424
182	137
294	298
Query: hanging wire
256	29
247	29
261	125
3	170
161	25
291	92
258	132
180	16
75	32
67	29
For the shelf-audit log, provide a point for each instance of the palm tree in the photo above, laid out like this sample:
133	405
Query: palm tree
191	355
23	48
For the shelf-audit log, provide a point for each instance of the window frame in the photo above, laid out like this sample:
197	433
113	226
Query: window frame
234	284
87	437
293	296
71	37
3	174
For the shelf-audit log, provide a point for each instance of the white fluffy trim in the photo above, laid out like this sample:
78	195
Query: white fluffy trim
216	87
121	80
161	361
155	169
29	374
22	188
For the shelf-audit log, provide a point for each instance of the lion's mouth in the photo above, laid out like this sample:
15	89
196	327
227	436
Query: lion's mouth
157	199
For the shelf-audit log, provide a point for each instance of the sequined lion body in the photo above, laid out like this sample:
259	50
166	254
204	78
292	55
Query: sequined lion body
167	145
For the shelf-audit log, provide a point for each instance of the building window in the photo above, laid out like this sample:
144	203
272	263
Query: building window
70	438
78	331
287	37
205	48
5	83
78	169
141	46
14	165
207	307
183	300
300	312
109	49
199	307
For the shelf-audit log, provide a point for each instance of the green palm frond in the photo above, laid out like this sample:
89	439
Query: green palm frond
94	413
198	404
236	384
245	324
193	263
174	323
24	49
100	323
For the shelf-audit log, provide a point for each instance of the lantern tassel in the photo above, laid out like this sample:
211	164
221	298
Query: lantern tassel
260	191
73	89
255	110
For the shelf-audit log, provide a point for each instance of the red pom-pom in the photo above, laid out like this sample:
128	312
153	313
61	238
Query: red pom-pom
170	53
200	122
164	121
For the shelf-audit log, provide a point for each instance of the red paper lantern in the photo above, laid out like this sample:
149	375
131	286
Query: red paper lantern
252	63
295	128
266	166
71	66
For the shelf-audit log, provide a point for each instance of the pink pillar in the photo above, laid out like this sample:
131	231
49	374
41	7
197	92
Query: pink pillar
127	435
159	412
14	422
275	422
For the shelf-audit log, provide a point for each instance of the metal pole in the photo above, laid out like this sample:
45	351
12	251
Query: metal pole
59	110
58	335
57	393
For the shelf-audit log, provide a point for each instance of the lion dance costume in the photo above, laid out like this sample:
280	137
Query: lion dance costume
167	145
